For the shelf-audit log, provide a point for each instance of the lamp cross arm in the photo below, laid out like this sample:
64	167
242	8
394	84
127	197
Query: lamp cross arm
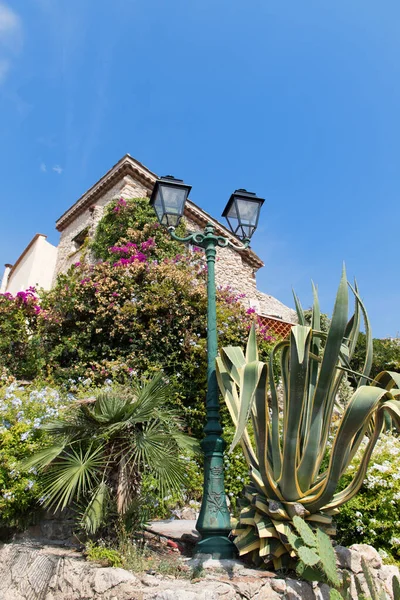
200	239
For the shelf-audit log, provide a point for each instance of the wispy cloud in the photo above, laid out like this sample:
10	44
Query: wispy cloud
11	38
58	169
43	167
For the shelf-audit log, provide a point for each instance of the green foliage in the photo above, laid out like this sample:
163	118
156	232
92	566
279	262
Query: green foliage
141	310
386	355
102	446
22	412
133	221
108	557
306	533
294	467
317	560
20	351
372	516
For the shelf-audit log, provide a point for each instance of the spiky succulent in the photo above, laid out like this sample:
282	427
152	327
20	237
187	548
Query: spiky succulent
286	443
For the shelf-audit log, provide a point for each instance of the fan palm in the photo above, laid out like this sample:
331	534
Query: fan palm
102	446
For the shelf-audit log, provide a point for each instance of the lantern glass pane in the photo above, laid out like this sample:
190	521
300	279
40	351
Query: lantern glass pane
173	199
172	220
232	212
248	212
247	231
158	207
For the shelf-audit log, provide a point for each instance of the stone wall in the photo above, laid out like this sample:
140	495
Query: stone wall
231	269
29	570
67	254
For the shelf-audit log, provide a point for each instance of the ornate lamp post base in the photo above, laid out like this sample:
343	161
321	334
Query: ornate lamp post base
214	522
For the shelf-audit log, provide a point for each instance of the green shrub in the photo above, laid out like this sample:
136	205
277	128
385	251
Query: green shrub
106	556
386	355
373	515
133	221
22	412
20	350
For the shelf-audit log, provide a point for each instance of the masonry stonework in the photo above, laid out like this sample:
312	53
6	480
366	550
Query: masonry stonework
67	254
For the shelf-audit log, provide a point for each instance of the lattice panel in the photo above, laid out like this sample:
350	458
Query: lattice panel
281	328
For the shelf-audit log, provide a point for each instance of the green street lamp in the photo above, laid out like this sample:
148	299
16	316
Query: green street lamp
242	212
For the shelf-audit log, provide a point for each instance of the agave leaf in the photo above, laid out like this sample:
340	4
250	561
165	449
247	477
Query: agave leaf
353	335
356	416
309	464
300	341
250	377
387	380
314	366
368	336
252	349
299	310
229	392
234	361
276	453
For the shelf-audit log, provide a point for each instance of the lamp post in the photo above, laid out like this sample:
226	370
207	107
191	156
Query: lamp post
242	212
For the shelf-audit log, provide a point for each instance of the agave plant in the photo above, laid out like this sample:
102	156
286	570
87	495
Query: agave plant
103	445
295	465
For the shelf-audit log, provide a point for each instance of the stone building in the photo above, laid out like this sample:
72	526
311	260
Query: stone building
130	179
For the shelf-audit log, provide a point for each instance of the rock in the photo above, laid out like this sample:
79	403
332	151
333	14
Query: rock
322	592
279	585
267	593
247	587
298	590
370	555
109	577
197	591
188	513
386	575
361	586
348	559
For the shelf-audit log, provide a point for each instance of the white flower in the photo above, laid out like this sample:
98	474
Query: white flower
24	436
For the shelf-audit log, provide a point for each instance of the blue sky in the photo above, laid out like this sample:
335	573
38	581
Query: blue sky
296	101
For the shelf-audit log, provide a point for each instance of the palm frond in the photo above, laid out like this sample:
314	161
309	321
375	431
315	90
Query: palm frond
42	458
94	514
72	475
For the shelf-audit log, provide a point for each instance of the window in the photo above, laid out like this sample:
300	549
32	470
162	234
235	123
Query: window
79	239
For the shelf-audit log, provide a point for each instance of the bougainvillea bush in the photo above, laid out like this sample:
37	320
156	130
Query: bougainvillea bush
373	515
132	222
22	412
